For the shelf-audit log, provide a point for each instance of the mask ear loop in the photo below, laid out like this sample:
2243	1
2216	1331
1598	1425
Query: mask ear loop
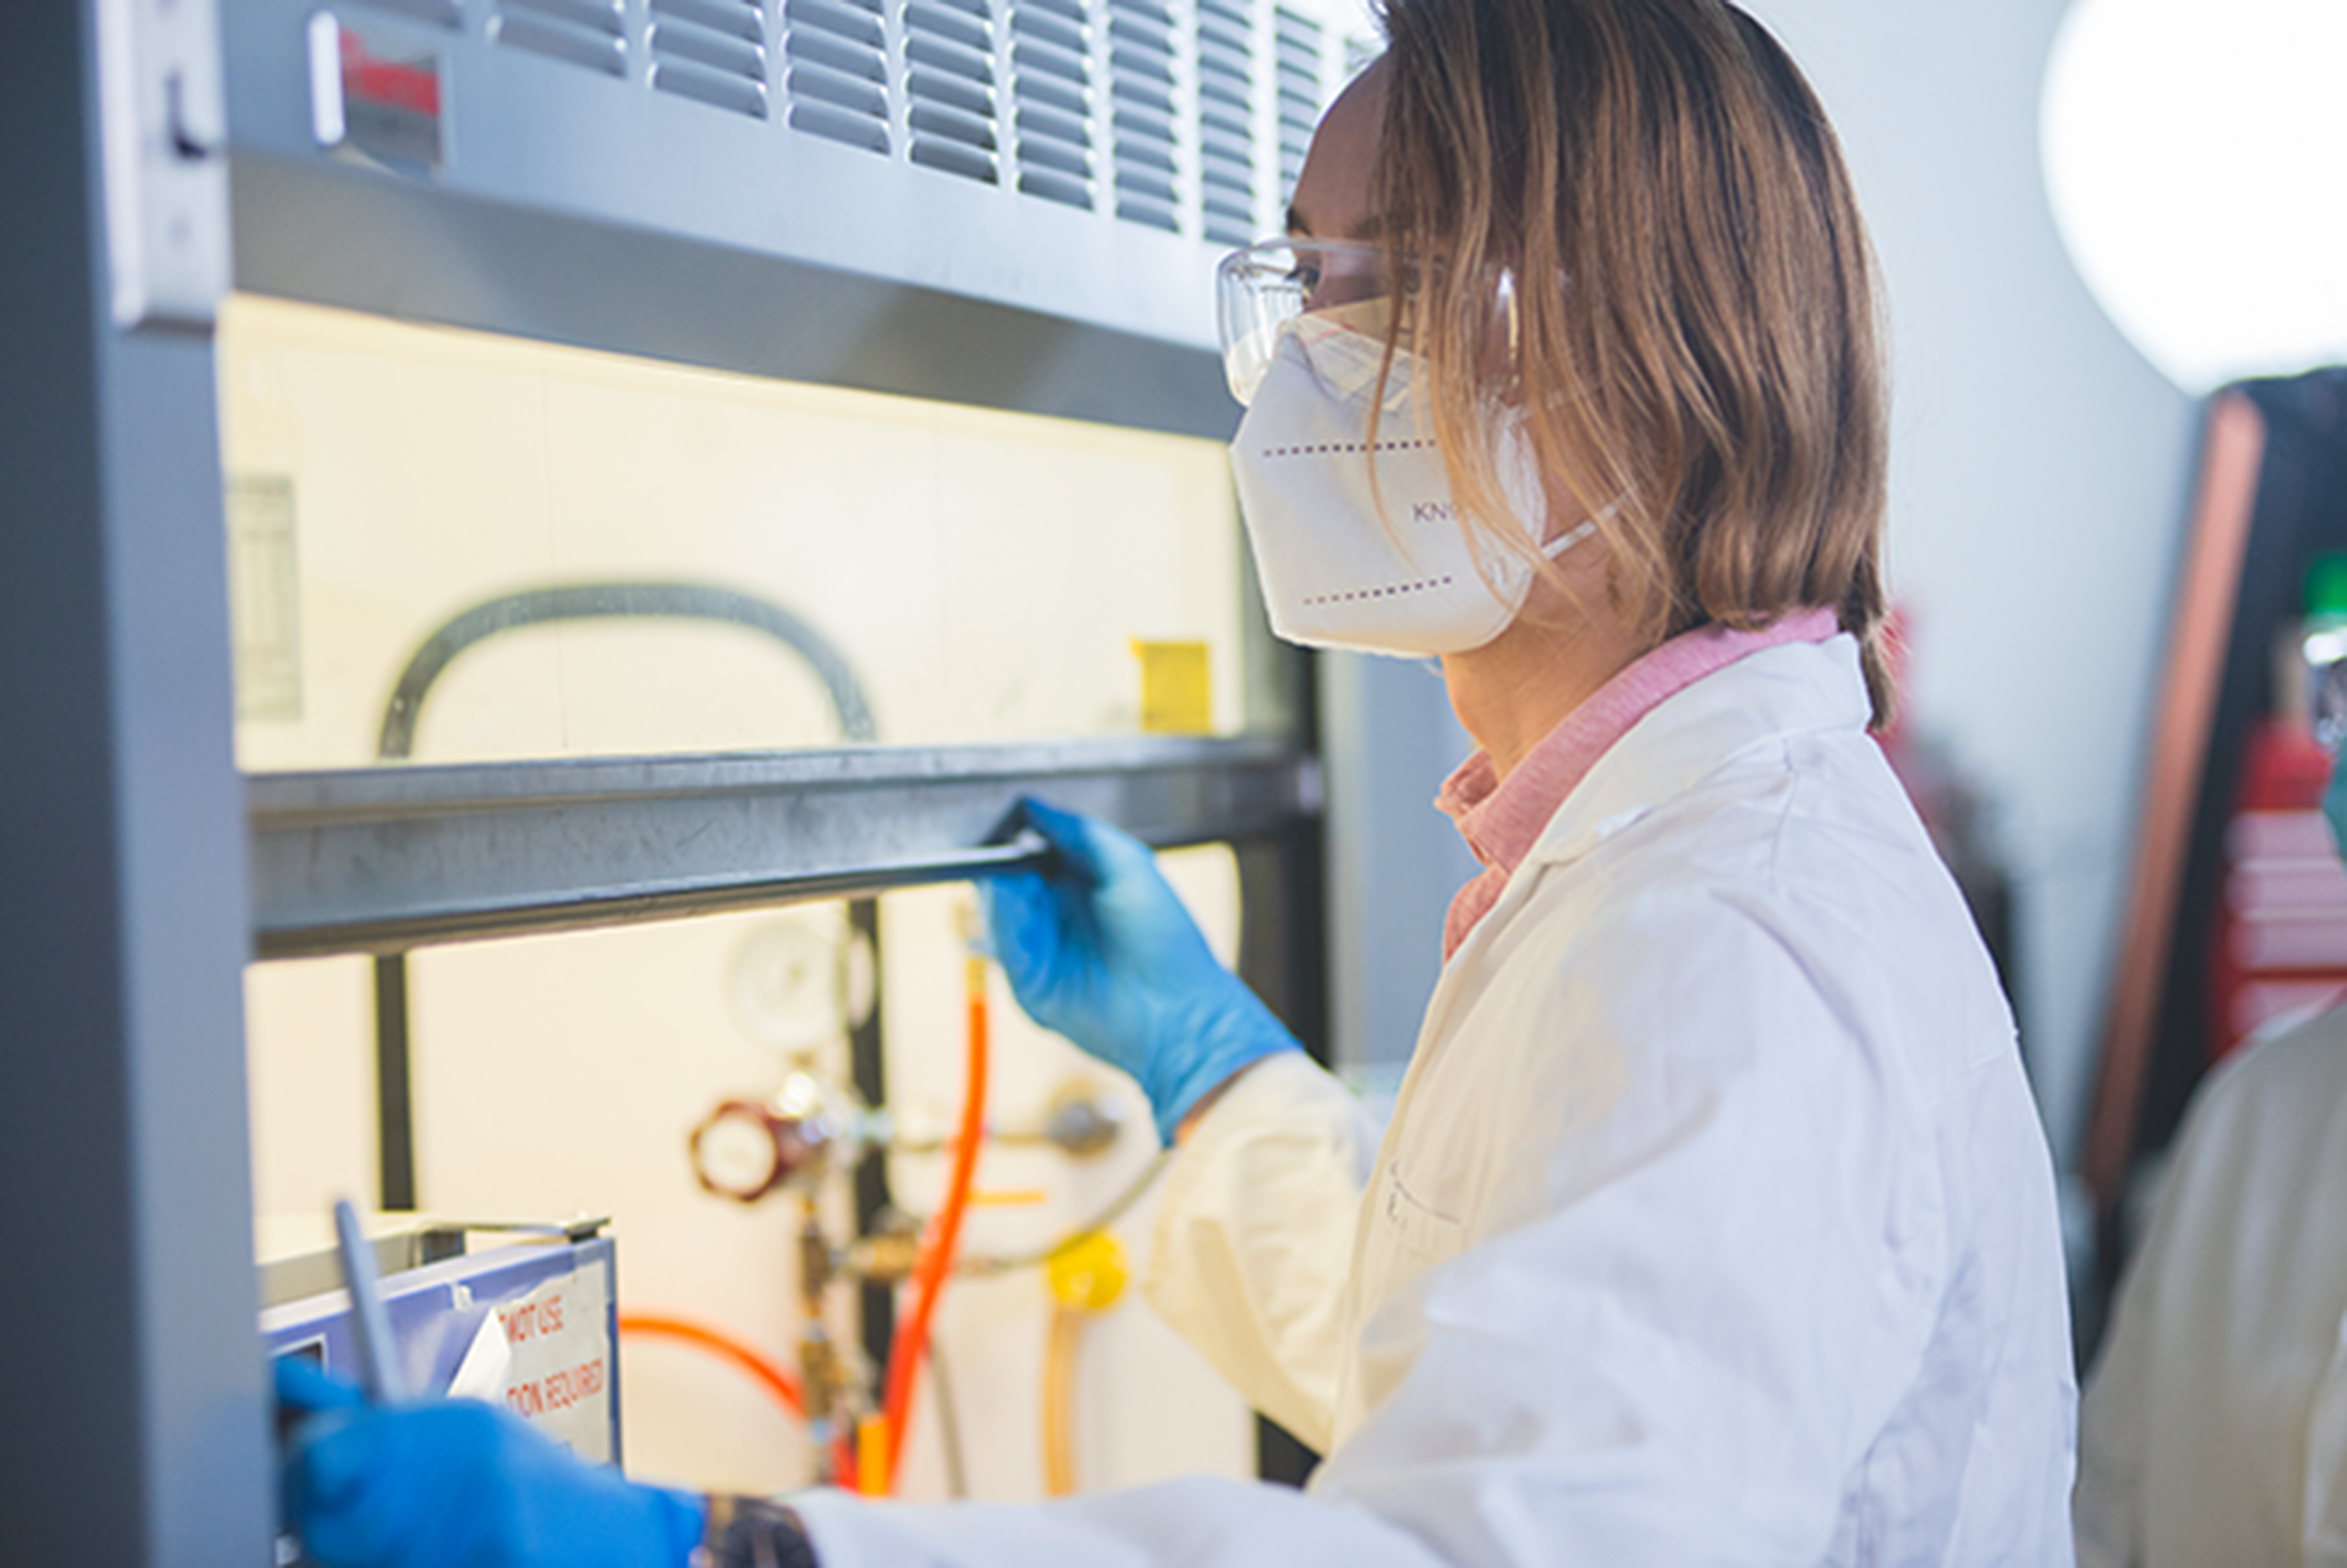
1578	532
1506	289
1570	538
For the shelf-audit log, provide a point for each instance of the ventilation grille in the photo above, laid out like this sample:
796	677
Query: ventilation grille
835	71
591	33
1052	99
949	112
1190	116
1226	162
712	50
1298	88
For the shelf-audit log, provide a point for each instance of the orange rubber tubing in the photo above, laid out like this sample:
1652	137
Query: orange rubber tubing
936	1259
763	1368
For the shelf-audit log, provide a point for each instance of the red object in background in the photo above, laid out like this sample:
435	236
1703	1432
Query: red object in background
405	86
2280	938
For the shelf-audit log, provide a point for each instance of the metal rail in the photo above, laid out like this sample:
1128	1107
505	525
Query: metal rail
377	860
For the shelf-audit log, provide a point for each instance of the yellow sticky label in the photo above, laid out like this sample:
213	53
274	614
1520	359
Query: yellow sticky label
1176	697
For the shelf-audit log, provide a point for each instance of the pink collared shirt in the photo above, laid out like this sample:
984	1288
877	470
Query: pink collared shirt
1502	819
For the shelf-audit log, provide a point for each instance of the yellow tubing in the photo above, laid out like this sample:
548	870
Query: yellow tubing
1058	1401
872	1455
1085	1277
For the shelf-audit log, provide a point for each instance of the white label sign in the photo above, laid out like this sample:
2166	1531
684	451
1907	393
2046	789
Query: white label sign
547	1357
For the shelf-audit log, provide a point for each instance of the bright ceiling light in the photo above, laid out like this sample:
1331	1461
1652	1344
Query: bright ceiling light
2196	157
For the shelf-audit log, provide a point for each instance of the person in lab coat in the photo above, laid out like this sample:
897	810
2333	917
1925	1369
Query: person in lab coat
1714	1225
2215	1423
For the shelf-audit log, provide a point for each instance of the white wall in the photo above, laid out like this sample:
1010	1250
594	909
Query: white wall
2039	479
1389	740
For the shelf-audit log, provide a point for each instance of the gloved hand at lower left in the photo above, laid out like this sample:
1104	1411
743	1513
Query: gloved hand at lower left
455	1483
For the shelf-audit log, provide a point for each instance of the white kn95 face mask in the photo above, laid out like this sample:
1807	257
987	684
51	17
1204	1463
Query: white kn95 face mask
1385	572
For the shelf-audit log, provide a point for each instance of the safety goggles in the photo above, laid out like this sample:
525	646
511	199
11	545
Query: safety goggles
1260	290
1369	288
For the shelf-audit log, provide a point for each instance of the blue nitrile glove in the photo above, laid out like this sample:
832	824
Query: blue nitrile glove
455	1483
1101	950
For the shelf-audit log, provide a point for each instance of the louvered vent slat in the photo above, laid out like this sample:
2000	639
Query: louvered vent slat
1034	56
1298	86
934	88
938	21
1037	85
595	15
1224	121
591	33
859	24
672	42
944	55
1142	92
1042	124
859	95
712	51
949	87
940	120
440	12
1032	25
836	71
736	18
1052	158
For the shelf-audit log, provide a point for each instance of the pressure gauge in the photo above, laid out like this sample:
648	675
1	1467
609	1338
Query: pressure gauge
800	979
745	1149
735	1152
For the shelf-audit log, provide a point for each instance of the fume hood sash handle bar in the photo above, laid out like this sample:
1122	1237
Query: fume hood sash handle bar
629	905
384	859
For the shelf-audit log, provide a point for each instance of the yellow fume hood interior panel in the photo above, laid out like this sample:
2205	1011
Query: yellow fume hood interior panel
987	576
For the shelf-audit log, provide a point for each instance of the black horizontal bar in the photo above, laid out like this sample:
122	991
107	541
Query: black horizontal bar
384	859
619	906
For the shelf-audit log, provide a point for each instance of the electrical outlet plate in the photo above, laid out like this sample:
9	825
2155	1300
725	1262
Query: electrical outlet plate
165	138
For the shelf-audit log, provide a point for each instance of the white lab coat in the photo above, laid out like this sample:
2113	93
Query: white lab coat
1714	1225
2215	1425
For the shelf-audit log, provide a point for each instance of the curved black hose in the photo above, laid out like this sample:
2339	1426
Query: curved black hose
603	601
615	601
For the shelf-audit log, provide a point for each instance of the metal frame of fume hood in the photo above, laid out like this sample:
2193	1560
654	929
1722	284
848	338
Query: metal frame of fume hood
134	1372
130	1374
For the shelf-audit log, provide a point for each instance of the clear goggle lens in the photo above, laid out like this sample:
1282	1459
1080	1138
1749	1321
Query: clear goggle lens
1260	290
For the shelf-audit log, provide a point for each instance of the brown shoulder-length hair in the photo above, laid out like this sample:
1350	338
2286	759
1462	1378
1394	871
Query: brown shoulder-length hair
1695	327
